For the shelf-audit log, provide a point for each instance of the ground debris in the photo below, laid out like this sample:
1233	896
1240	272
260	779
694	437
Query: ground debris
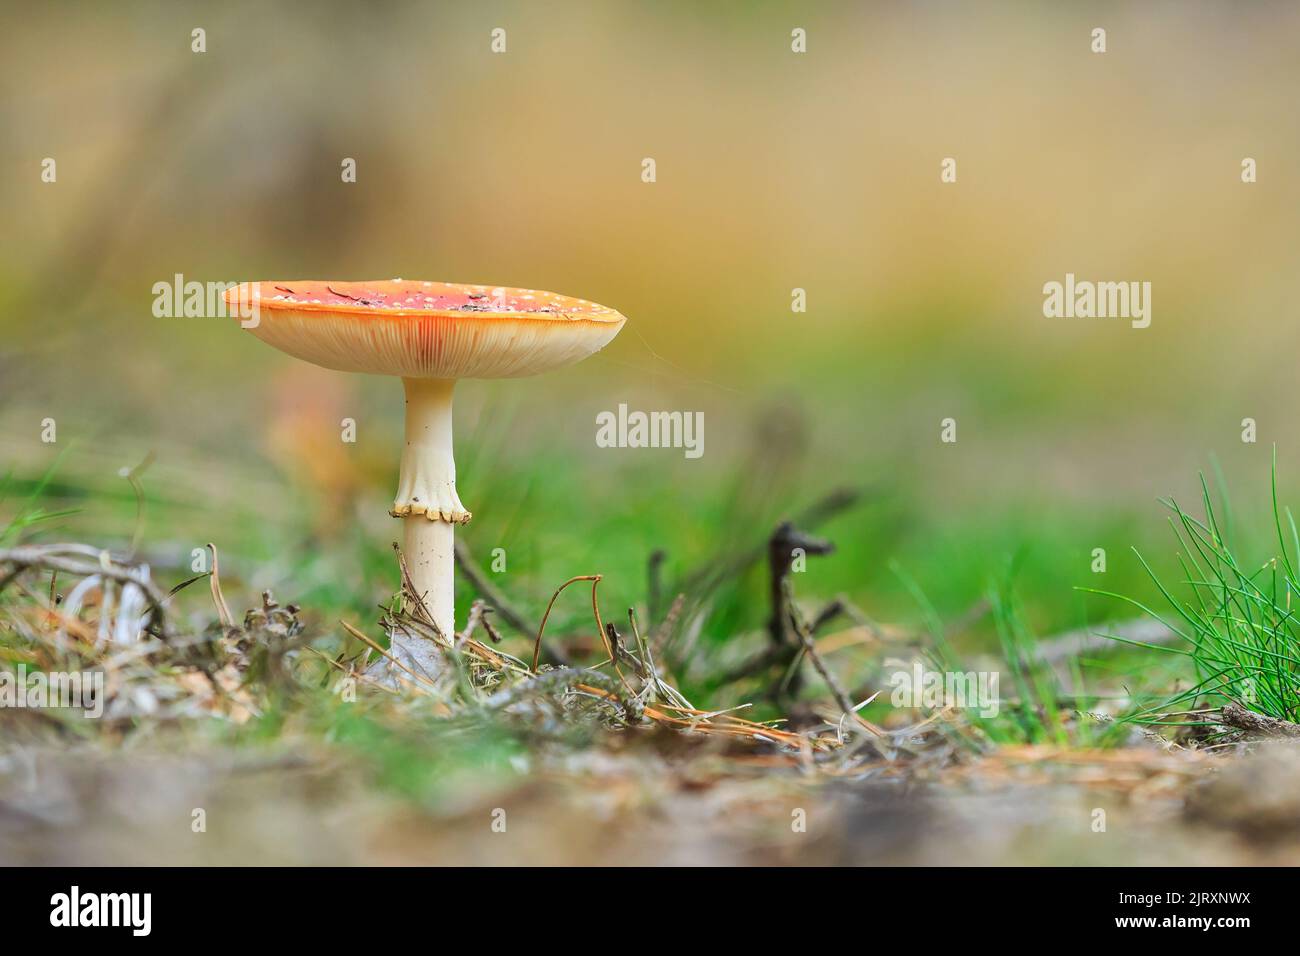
1234	715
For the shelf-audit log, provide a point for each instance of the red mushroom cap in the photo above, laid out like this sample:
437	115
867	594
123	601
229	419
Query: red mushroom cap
423	329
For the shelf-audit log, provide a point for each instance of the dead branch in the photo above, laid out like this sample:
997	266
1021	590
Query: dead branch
771	656
654	583
84	561
827	614
718	569
1238	717
661	634
475	618
600	626
219	599
465	561
493	634
415	600
552	682
786	540
802	631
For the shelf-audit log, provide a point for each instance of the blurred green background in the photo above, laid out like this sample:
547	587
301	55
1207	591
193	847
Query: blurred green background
775	171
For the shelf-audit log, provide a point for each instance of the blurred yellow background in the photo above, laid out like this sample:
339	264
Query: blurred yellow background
775	171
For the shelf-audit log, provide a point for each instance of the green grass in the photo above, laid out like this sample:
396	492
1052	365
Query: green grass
27	511
1234	617
1034	707
1034	553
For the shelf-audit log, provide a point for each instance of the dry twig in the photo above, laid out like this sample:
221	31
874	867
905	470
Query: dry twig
1238	717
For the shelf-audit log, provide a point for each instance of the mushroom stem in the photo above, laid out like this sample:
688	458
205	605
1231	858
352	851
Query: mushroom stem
427	500
429	550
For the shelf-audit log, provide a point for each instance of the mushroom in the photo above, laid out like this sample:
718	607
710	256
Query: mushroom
431	334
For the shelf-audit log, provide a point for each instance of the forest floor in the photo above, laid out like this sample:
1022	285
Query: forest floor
245	744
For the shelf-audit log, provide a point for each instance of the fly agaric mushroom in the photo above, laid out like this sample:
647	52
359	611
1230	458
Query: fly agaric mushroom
431	334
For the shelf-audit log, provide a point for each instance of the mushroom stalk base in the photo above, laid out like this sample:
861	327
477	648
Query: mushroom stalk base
428	505
429	550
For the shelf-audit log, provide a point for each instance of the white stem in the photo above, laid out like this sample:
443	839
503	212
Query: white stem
429	550
427	500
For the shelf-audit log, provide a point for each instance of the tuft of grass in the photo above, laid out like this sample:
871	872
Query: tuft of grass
1033	707
1038	710
1236	619
27	511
